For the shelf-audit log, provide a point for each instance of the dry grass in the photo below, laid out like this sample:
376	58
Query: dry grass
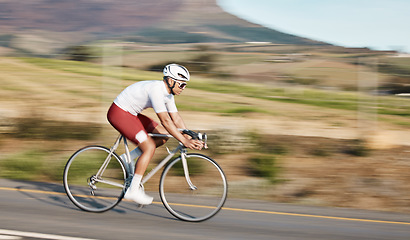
63	92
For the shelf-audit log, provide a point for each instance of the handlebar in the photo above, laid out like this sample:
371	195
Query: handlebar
194	135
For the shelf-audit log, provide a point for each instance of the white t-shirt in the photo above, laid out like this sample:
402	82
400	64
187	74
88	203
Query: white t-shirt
146	94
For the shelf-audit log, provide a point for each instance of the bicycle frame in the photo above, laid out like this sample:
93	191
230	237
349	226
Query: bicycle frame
129	163
97	176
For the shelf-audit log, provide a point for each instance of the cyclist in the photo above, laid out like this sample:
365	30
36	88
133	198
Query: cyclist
125	116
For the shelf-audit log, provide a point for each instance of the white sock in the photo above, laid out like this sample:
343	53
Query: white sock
135	183
133	154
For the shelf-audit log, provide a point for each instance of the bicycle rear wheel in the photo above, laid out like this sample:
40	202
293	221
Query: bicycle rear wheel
88	191
188	204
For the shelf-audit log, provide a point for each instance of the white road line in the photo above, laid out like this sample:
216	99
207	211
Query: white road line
37	235
8	237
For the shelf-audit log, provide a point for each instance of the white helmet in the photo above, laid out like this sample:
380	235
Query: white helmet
176	72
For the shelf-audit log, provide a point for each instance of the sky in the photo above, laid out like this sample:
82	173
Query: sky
376	24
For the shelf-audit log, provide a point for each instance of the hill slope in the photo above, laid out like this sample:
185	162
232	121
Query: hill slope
165	21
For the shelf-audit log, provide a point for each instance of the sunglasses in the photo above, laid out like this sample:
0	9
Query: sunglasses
181	85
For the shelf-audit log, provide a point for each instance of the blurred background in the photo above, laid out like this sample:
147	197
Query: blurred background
289	118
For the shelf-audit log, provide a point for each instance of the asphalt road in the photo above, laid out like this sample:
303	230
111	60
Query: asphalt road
30	210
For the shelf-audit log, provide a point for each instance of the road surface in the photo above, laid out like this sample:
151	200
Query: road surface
32	210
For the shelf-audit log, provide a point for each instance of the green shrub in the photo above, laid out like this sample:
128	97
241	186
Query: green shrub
24	166
268	144
264	165
79	53
33	165
357	147
321	151
38	128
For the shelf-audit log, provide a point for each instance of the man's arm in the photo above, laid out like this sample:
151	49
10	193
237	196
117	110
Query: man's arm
177	119
172	129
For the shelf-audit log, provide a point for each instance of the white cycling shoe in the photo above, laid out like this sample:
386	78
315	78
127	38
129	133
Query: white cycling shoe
138	196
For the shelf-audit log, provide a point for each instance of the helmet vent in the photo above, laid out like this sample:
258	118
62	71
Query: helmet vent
182	76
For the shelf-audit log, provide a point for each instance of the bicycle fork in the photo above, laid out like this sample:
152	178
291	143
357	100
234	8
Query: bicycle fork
186	171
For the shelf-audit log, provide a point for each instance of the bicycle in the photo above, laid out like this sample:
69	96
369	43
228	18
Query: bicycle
192	186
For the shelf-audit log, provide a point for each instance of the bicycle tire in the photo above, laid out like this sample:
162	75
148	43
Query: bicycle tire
79	174
193	205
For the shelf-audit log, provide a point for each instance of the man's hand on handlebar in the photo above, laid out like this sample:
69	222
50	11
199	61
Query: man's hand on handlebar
195	140
194	144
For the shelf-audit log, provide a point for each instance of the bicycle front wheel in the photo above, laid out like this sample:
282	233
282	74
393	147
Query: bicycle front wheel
198	203
94	179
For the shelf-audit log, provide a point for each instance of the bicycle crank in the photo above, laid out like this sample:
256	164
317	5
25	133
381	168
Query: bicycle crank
91	183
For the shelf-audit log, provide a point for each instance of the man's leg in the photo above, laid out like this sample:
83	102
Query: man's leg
135	192
148	149
160	141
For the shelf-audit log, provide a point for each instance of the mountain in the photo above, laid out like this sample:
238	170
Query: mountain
158	21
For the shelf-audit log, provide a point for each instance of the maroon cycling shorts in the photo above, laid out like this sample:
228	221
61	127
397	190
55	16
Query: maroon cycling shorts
134	128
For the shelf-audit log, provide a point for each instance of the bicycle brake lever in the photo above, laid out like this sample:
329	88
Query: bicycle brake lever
204	139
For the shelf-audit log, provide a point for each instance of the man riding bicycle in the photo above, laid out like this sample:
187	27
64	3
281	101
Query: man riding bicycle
125	116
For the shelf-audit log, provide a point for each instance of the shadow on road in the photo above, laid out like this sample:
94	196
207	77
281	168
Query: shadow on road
54	194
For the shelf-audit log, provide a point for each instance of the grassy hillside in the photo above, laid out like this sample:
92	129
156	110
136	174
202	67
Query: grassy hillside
79	81
286	142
